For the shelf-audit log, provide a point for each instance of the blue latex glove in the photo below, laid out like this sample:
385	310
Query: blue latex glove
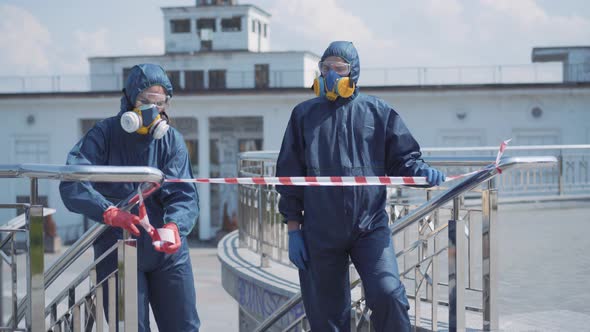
297	251
434	176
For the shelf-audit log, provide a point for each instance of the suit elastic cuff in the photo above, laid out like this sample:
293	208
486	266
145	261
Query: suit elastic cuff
293	217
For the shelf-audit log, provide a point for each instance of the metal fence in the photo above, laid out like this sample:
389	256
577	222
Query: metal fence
82	313
571	177
239	79
462	282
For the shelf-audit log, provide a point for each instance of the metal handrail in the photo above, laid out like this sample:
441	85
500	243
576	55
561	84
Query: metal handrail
83	275
272	154
436	202
469	183
150	179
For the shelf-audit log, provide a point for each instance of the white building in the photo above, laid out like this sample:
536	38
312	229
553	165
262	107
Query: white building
217	125
237	98
214	45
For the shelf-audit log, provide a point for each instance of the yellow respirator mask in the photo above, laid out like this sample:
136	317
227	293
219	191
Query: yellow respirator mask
333	86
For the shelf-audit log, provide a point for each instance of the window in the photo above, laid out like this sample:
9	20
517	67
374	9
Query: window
217	79
253	25
174	76
231	24
180	26
265	28
33	150
215	2
537	136
192	146
194	80
261	80
205	23
206	45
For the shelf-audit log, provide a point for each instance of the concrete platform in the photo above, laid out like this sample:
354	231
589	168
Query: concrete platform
258	291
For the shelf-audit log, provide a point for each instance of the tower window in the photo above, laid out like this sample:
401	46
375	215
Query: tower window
205	23
180	26
217	79
206	45
231	24
194	80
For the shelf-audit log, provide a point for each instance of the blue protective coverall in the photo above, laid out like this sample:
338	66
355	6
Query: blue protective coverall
357	136
164	281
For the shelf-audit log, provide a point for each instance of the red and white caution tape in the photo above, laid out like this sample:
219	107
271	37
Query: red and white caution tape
159	236
314	180
336	180
501	152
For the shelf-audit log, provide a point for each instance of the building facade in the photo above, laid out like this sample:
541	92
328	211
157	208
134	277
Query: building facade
211	46
234	94
217	125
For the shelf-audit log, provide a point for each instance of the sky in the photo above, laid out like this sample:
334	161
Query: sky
39	37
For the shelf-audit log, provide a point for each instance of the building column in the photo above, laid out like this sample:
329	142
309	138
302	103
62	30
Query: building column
204	191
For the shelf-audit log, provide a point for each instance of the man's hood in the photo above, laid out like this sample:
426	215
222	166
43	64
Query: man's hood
141	77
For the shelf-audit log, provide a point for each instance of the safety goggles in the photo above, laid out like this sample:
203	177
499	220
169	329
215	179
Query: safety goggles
341	68
162	101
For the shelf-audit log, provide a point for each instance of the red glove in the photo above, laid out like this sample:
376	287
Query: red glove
114	216
168	247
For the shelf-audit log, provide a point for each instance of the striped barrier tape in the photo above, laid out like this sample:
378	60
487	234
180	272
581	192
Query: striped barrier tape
336	180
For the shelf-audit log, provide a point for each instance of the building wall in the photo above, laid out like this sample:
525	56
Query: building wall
490	116
245	39
257	41
286	69
43	128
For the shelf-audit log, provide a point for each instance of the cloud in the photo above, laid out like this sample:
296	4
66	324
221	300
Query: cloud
24	42
28	48
528	21
312	25
93	43
426	33
323	20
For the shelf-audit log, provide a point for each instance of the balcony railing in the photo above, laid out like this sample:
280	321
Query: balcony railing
235	79
87	312
425	233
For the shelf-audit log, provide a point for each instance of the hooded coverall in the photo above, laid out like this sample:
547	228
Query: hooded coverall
164	281
356	136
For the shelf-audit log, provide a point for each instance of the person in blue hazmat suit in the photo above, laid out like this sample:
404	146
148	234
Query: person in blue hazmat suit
346	133
140	135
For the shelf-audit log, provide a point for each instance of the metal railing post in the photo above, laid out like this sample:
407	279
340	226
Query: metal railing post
14	280
264	261
490	257
127	273
112	304
560	177
456	252
98	298
1	287
432	291
241	224
35	262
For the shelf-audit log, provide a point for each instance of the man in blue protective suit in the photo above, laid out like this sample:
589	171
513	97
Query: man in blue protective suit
141	136
345	133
